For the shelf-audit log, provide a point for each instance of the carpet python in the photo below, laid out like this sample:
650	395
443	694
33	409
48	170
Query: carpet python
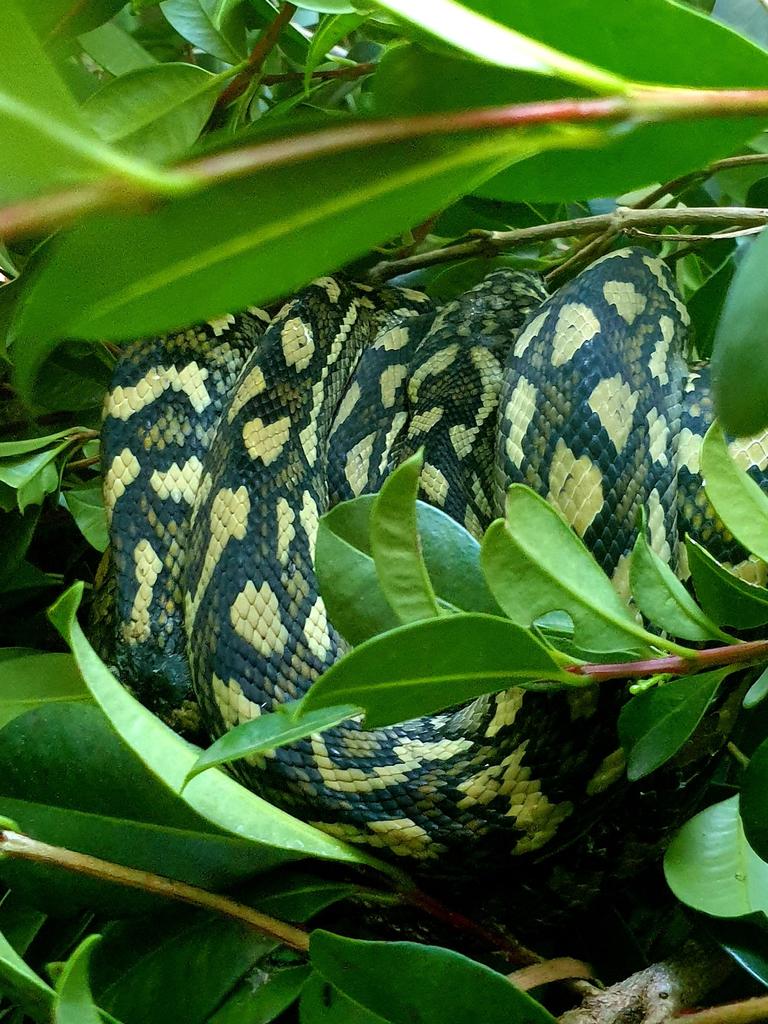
225	443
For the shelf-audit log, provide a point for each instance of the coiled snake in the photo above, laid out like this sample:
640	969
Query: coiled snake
224	444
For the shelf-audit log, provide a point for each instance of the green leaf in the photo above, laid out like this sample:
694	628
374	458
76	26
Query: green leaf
753	790
711	867
535	564
245	241
33	492
663	599
276	729
328	33
395	545
87	507
266	1001
154	112
19	471
115	50
74	1003
46	142
176	966
736	498
216	26
404	982
725	597
20	983
214	796
26	681
321	1003
9	449
493	41
739	360
427	666
59	19
293	895
656	723
757	692
347	574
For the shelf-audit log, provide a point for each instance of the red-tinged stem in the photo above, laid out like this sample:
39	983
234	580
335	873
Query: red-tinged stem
732	654
264	46
348	71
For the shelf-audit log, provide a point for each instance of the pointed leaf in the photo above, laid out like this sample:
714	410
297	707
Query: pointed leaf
395	545
757	692
74	1003
276	729
656	723
753	789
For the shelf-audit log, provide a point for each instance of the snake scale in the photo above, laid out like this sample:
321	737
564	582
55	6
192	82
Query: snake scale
224	444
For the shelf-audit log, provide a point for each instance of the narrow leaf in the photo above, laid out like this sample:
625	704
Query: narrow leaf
430	665
535	564
663	599
740	352
655	724
395	545
737	499
757	692
280	727
753	789
20	983
74	1003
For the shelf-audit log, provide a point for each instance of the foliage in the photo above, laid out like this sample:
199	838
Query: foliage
162	163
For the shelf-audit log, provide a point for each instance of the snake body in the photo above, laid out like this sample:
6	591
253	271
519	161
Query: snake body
224	445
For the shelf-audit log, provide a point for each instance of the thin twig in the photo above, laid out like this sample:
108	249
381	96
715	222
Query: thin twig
264	46
562	968
750	1011
674	664
681	236
14	844
622	220
350	71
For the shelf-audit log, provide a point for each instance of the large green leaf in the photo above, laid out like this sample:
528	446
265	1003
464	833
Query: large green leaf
176	966
213	796
46	141
19	982
656	723
711	867
535	564
56	19
737	499
740	354
726	598
263	999
403	982
713	56
115	50
27	681
485	31
321	1003
430	665
395	545
155	112
245	241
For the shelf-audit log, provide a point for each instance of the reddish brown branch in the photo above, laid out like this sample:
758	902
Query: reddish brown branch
264	46
349	71
674	664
